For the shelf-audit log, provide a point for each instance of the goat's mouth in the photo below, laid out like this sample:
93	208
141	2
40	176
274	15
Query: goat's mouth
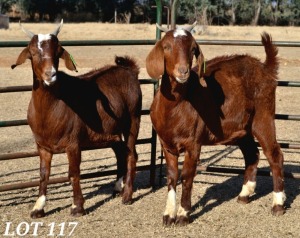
182	79
51	80
181	74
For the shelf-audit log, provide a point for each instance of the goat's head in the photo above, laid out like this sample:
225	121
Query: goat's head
44	52
174	54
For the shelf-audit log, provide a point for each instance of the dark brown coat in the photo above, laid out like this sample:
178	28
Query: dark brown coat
67	113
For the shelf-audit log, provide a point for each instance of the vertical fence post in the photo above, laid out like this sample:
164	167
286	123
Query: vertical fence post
154	136
173	14
153	149
158	36
158	18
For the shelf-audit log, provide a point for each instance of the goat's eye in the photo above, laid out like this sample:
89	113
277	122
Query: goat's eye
193	51
34	53
167	48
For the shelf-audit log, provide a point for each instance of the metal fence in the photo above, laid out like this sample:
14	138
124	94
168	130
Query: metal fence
152	140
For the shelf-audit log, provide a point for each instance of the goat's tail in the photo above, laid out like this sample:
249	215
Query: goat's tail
271	62
128	62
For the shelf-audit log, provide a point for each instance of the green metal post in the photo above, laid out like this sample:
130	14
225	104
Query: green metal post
158	18
173	14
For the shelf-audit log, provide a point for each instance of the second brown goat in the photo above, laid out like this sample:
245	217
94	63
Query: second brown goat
227	100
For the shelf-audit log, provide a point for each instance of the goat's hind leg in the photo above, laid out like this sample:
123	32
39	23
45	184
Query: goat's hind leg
130	135
121	152
251	156
265	134
74	157
126	169
275	158
45	167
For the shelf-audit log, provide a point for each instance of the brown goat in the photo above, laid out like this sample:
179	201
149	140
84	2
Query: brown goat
229	102
68	113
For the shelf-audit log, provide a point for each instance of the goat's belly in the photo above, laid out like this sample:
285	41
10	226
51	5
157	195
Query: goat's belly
51	145
56	145
100	140
229	139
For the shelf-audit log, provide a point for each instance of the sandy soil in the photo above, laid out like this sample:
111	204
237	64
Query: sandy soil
215	211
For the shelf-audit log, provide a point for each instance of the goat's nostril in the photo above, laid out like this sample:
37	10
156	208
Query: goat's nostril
50	73
183	70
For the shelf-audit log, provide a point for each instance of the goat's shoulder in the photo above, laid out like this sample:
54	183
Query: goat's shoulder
64	77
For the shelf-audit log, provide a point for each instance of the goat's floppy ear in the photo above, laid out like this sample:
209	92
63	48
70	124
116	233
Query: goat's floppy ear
68	58
22	57
200	61
155	61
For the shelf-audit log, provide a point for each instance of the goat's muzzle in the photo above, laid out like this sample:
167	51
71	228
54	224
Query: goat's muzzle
182	73
50	76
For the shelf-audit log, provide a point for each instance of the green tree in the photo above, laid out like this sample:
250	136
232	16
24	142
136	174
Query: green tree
203	11
280	12
5	5
289	12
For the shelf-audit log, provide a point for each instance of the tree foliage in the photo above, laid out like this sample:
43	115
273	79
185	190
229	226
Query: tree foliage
218	12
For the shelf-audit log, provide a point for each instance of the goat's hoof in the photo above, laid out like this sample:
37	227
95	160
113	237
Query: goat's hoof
278	210
168	221
182	221
37	214
127	198
77	211
243	200
116	194
126	201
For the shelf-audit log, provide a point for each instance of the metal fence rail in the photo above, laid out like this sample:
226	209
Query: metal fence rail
10	44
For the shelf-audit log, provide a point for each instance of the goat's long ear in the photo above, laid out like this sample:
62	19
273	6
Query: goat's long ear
200	61
69	61
22	57
155	61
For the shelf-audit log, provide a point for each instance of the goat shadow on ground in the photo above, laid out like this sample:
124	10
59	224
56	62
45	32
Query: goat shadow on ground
107	189
99	186
219	193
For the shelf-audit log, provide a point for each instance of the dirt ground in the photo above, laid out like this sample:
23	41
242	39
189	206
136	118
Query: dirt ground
215	212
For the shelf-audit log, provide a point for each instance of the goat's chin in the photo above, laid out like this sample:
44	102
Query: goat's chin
51	81
181	80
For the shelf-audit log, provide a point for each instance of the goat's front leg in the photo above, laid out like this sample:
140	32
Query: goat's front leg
187	177
45	167
74	157
172	177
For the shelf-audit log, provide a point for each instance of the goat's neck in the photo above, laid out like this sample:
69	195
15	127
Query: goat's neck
42	95
172	90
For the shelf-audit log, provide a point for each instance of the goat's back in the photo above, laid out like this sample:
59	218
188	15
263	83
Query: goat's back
119	83
245	74
242	76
